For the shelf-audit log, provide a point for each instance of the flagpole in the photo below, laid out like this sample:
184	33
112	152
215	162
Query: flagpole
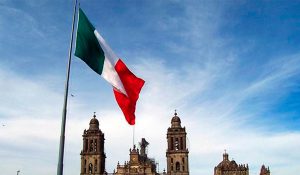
64	112
133	133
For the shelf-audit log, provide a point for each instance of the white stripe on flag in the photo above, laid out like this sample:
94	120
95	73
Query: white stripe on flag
109	72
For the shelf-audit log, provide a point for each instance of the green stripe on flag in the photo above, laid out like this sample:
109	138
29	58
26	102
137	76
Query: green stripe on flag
87	45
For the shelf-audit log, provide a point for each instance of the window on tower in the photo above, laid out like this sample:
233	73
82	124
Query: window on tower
176	144
91	145
84	170
96	164
177	166
90	168
95	146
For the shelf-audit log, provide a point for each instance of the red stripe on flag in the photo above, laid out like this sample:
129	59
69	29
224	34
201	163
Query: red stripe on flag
133	86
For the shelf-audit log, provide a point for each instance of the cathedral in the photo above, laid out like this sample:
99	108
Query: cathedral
93	155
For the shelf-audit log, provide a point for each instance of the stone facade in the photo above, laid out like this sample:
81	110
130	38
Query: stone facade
177	152
227	167
92	154
139	163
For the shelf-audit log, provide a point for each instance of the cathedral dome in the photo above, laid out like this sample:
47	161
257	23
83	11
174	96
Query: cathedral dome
176	122
94	123
227	165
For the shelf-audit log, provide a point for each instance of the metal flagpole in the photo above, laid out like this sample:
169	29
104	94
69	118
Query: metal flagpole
64	113
133	133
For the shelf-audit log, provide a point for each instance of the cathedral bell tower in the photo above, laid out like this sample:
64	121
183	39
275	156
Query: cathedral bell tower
92	154
177	152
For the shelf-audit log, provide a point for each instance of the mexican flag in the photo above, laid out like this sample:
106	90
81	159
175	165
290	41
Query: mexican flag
95	52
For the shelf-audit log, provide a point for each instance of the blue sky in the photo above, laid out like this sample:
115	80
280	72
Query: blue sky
230	68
